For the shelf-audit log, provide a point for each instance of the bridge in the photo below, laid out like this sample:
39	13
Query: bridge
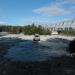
66	25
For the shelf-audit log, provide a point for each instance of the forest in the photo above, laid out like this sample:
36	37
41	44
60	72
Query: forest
27	29
33	29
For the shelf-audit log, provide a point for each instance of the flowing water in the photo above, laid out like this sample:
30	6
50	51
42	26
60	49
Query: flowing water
26	50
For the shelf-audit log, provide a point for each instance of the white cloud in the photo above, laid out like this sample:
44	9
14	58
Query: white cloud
52	11
57	8
37	21
26	20
68	1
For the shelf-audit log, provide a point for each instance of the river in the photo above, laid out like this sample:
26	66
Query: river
26	50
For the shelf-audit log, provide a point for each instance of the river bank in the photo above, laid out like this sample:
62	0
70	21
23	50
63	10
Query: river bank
42	37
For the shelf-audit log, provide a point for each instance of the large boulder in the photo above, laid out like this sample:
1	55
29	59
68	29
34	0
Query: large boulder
72	46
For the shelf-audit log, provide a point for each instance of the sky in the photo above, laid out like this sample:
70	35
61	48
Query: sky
24	12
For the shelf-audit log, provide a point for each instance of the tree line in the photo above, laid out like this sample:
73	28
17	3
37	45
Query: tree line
27	29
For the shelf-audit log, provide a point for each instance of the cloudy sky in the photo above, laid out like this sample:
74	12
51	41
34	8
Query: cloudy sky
22	12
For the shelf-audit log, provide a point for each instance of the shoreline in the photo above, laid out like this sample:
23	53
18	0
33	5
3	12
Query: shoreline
42	37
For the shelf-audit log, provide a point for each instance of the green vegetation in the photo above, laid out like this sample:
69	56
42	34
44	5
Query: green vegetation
27	30
33	29
66	31
70	32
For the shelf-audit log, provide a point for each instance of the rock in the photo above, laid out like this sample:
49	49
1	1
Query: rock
72	49
72	46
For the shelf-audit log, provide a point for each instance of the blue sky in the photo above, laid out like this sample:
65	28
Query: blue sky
23	12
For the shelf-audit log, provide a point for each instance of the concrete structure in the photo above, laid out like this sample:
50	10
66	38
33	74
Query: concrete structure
54	33
65	25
